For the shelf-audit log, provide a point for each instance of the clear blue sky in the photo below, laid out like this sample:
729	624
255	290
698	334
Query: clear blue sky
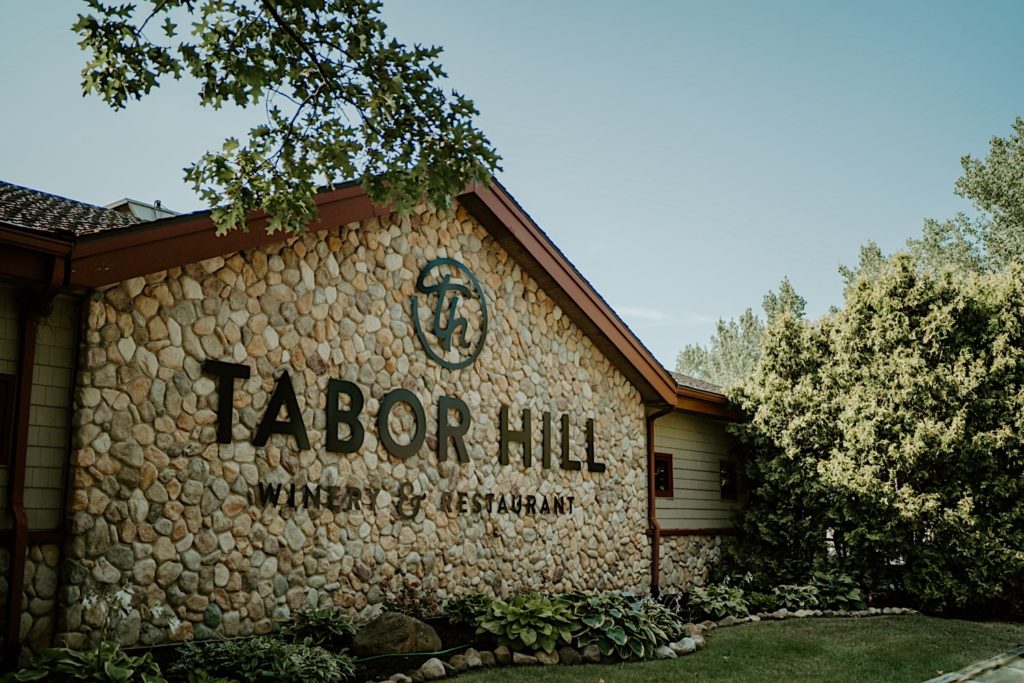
684	155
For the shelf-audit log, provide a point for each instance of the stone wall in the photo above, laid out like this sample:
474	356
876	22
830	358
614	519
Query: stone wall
158	505
685	561
39	614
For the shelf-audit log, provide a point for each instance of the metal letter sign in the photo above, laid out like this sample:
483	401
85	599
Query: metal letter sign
449	327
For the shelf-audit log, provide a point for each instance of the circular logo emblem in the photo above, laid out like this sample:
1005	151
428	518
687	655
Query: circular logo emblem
454	314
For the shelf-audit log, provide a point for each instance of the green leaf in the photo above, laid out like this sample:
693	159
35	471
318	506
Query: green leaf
616	635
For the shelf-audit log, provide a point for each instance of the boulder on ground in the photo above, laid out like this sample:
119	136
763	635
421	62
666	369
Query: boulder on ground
503	655
394	633
547	658
684	646
664	652
568	655
592	654
432	669
520	659
473	659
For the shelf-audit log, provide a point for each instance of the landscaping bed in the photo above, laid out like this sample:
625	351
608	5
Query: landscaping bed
909	648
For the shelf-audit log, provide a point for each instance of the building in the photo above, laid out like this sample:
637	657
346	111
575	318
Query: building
241	426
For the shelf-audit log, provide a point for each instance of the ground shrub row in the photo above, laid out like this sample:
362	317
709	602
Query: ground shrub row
312	646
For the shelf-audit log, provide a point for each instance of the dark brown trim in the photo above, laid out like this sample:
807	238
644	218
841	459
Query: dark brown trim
721	531
654	529
35	536
665	457
52	245
494	208
8	385
157	246
33	306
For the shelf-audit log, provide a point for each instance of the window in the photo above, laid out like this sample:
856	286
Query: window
663	475
728	479
6	417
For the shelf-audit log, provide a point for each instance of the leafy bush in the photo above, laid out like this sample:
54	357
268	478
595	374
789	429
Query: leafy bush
761	602
264	659
717	601
622	626
838	591
467	609
327	627
102	664
884	439
201	676
663	618
410	600
530	621
794	597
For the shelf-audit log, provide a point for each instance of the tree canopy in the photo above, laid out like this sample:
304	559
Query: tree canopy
886	439
732	354
342	101
987	241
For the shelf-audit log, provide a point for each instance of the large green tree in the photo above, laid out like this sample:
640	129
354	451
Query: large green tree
342	100
987	240
733	351
888	439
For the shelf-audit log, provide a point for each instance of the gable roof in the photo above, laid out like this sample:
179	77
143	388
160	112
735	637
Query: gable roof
93	249
48	213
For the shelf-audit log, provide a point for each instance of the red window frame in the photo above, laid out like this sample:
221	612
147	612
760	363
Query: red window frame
666	460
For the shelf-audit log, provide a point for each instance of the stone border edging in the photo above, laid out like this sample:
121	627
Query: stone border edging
472	659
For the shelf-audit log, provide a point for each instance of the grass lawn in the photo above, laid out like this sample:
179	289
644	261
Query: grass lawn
905	648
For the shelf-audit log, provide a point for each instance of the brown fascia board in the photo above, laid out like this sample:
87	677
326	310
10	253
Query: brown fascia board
495	209
26	257
112	256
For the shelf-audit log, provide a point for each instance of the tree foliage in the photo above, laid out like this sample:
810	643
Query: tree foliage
732	354
888	439
342	101
987	241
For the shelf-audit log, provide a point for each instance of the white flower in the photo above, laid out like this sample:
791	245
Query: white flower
89	600
124	598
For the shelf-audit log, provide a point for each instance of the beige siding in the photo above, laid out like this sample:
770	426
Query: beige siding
697	446
50	414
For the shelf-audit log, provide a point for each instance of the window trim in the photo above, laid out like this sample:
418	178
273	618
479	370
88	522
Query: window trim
666	458
8	383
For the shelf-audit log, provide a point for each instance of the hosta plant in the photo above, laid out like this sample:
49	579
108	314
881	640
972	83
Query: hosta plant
717	601
263	659
327	627
623	626
838	591
105	663
794	597
530	621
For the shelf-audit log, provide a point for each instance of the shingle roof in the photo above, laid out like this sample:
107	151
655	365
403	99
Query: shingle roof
698	384
43	212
